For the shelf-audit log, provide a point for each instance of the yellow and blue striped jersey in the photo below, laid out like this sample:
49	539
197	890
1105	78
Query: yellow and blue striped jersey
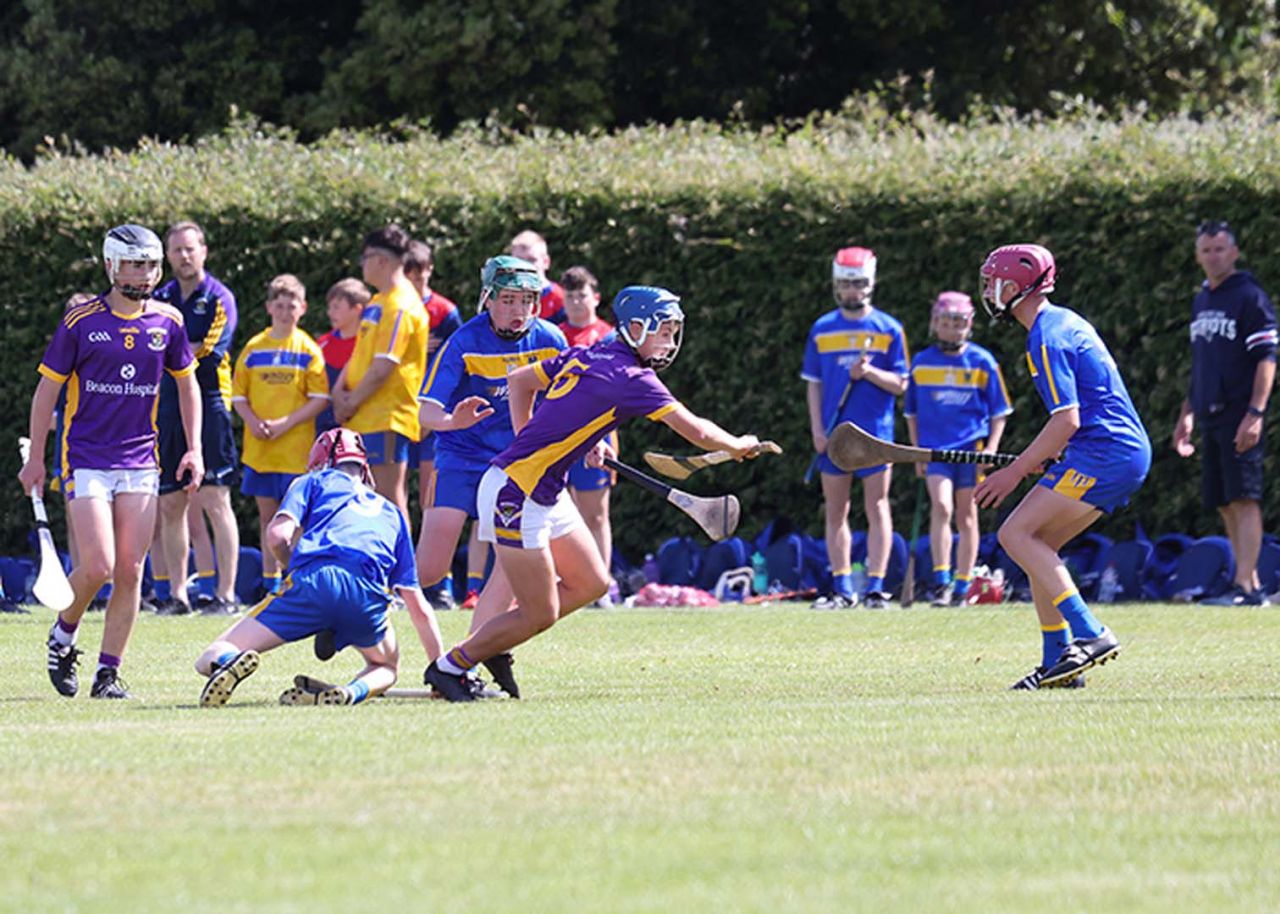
954	396
394	326
835	343
276	377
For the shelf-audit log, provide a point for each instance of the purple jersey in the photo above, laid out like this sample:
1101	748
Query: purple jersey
592	390
112	367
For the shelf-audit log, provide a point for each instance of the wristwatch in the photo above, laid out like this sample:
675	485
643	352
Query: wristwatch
1254	411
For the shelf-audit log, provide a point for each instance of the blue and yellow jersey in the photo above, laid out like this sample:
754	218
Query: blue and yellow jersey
394	326
1071	366
346	523
954	396
835	343
275	377
475	362
210	316
591	390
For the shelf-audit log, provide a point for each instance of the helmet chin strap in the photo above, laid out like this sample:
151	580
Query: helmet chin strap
859	309
946	346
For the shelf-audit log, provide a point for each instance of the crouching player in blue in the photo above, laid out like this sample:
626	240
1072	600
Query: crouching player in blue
548	556
347	548
1096	447
956	399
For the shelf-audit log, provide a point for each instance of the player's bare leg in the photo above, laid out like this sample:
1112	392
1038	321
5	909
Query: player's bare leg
441	528
875	501
966	520
267	508
1243	521
392	481
232	658
92	518
593	505
201	549
426	484
215	502
134	517
836	491
176	541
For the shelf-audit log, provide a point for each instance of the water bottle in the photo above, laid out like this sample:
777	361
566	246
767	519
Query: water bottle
759	574
650	568
858	577
1109	585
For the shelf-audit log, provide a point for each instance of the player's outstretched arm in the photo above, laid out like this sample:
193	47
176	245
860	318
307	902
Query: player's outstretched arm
424	622
707	435
32	475
1044	448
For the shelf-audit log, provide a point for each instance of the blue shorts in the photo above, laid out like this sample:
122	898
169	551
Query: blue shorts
962	475
386	447
826	466
1104	482
265	485
1226	476
423	450
326	596
218	446
455	489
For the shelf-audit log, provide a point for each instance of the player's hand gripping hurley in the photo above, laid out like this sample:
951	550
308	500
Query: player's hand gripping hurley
52	587
851	448
679	468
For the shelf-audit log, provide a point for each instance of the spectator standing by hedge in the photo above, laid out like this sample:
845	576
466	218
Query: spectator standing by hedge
377	393
209	312
1233	367
344	304
855	363
530	246
278	389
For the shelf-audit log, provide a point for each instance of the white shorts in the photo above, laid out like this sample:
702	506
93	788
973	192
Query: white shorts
110	483
508	517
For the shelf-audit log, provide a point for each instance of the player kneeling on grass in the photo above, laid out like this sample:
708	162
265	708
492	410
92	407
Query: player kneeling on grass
542	545
346	548
1096	447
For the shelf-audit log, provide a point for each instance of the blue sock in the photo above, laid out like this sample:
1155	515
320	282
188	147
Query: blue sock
875	583
271	583
842	583
1054	641
105	592
942	575
207	583
359	690
223	659
1073	608
163	591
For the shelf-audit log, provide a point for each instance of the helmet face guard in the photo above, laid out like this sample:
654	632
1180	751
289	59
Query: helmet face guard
650	307
137	244
952	311
507	272
1026	269
856	266
340	445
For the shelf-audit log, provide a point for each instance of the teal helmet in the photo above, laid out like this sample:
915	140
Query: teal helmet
507	272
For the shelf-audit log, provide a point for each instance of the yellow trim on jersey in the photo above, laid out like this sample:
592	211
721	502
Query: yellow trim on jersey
497	366
1069	592
853	341
946	376
69	416
52	375
214	333
527	471
1004	391
182	372
1074	484
1048	375
661	411
71	318
541	373
1031	366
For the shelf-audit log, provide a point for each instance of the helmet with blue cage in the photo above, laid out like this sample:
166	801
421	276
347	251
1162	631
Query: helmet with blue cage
641	311
505	272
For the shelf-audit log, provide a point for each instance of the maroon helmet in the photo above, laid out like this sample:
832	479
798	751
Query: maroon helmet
1027	268
340	445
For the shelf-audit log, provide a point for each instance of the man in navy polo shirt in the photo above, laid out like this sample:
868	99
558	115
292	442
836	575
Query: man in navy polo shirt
1233	366
209	313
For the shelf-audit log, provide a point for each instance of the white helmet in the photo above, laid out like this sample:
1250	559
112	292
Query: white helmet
137	243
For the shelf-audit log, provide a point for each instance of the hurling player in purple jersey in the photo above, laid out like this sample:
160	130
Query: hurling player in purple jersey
111	353
544	549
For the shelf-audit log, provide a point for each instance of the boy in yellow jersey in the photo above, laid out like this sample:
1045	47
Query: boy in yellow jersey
377	393
278	389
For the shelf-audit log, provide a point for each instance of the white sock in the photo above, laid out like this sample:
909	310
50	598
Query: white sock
444	664
62	637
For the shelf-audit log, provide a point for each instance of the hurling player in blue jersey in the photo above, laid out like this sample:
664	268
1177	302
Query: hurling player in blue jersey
855	363
548	557
465	400
956	399
348	550
1096	447
1233	366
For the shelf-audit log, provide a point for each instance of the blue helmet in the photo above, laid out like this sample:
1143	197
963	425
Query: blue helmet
651	307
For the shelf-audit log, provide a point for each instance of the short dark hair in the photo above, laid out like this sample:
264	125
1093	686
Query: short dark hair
419	256
390	238
1216	227
579	277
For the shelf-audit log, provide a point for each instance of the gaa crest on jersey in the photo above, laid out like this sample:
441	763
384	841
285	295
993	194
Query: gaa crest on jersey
157	339
99	336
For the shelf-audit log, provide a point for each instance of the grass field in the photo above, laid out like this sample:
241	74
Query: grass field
736	760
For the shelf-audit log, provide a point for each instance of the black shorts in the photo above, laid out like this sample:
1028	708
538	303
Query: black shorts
1226	475
221	458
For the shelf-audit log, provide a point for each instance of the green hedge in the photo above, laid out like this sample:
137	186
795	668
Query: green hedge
741	223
